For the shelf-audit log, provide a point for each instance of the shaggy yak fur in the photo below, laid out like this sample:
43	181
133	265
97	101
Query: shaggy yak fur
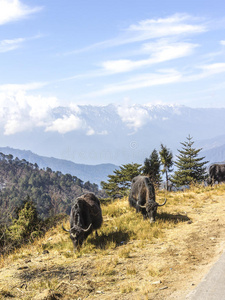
85	216
216	173
142	197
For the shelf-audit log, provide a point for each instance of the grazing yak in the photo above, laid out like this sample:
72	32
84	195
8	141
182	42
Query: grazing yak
216	173
85	216
142	197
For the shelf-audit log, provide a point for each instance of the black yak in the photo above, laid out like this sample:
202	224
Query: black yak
142	197
85	216
216	173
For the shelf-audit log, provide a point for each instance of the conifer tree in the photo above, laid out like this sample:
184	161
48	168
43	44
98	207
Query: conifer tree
166	158
190	167
120	181
152	168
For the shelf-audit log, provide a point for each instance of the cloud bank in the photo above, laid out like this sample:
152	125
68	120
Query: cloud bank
13	10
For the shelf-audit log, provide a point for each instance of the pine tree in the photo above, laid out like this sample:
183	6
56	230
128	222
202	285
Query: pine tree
120	181
166	158
152	168
190	167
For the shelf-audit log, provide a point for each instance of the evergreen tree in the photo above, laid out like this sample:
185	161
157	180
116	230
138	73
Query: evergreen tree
120	181
152	168
190	167
166	158
25	224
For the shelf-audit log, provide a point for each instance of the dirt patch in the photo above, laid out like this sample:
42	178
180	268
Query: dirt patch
168	267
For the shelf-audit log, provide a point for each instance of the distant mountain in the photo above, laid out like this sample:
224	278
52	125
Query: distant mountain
91	173
214	149
116	134
215	155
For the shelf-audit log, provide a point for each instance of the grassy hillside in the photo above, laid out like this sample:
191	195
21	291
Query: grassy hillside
130	259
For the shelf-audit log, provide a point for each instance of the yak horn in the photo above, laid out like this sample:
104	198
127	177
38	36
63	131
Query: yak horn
142	206
87	229
65	229
163	203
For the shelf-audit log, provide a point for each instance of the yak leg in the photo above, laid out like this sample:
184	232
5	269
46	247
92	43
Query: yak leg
96	233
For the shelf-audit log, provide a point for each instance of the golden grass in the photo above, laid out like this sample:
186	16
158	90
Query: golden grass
129	252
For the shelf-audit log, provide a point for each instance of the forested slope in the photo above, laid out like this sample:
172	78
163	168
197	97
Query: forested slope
52	192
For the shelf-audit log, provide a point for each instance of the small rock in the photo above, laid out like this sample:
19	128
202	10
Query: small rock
189	222
45	252
22	268
156	282
163	288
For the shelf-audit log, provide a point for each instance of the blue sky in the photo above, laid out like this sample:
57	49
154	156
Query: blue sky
111	51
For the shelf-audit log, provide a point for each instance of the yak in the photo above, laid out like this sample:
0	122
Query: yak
85	216
216	173
142	197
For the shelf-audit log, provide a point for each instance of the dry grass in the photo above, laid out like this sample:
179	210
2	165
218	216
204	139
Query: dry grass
130	259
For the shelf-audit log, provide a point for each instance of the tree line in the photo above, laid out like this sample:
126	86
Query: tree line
189	169
51	192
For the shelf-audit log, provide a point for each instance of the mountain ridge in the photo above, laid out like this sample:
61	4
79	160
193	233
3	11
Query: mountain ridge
92	173
116	134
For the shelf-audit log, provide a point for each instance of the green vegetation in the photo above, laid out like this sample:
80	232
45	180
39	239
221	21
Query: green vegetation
25	227
120	182
190	167
51	192
152	168
190	170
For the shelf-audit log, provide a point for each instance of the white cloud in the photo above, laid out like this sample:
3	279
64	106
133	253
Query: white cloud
22	112
222	43
140	81
9	45
162	77
65	124
160	52
206	71
90	131
14	88
214	68
12	10
134	116
19	111
173	26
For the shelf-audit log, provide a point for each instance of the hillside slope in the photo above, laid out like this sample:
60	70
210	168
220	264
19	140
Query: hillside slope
130	259
92	173
52	192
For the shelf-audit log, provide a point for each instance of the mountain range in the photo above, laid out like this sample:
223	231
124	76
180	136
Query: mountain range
116	134
91	173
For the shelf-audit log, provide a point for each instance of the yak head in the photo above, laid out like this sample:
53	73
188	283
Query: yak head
78	235
151	209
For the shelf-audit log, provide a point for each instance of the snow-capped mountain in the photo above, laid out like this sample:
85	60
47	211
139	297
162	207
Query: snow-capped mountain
116	134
